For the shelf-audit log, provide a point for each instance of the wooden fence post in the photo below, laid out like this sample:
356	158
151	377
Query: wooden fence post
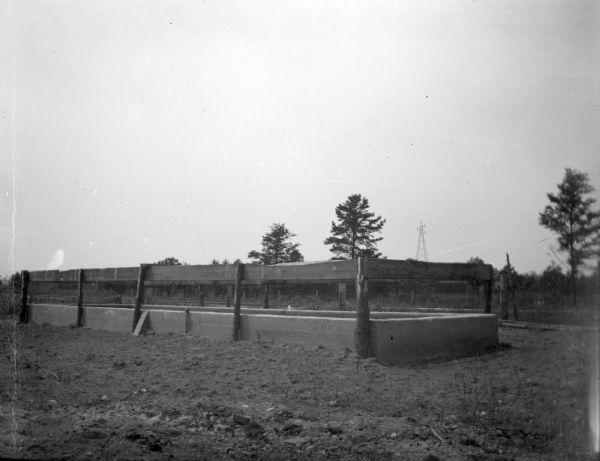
503	298
139	296
511	298
488	289
237	317
266	297
342	295
24	312
362	330
80	280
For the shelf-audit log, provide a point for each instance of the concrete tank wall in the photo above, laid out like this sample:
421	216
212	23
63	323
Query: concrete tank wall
294	312
108	318
214	325
97	318
398	340
53	314
335	333
161	321
395	337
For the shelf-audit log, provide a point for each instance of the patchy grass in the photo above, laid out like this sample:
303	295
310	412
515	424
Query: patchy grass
92	394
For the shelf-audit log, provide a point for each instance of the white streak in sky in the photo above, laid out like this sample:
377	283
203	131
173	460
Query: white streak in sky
469	245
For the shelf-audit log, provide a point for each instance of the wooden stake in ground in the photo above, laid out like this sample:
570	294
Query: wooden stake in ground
80	280
24	312
139	296
362	331
237	317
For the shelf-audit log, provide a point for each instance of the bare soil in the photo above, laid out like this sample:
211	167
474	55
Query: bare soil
71	393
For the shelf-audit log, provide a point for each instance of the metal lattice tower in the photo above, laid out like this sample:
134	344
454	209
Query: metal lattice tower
421	247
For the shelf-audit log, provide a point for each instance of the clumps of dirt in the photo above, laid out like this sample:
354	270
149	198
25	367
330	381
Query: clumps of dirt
83	394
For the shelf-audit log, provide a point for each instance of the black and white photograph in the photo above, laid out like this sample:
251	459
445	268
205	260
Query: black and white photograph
300	230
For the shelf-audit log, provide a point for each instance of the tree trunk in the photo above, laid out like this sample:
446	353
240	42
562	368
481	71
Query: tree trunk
573	283
573	274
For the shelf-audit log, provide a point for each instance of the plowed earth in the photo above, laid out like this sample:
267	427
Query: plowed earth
84	394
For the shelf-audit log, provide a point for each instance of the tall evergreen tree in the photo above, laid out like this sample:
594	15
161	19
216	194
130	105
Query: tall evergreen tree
354	233
277	247
570	215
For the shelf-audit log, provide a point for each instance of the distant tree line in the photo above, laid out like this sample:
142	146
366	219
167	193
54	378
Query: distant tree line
355	232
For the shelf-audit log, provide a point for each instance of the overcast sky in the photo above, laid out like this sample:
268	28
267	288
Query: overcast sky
132	131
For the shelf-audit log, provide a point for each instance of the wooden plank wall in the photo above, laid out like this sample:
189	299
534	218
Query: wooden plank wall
388	269
122	274
327	271
334	271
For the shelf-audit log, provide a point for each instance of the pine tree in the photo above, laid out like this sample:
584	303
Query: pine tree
570	215
354	233
277	247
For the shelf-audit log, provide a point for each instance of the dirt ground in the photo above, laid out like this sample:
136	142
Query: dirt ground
83	394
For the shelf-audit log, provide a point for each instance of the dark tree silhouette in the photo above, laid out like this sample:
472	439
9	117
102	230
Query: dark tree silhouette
216	262
170	261
475	260
570	215
553	282
15	281
277	247
354	233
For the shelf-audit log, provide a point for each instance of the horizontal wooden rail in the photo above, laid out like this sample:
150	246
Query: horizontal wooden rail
121	274
312	272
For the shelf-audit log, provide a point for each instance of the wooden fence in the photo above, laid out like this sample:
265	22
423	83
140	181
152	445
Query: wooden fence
237	275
